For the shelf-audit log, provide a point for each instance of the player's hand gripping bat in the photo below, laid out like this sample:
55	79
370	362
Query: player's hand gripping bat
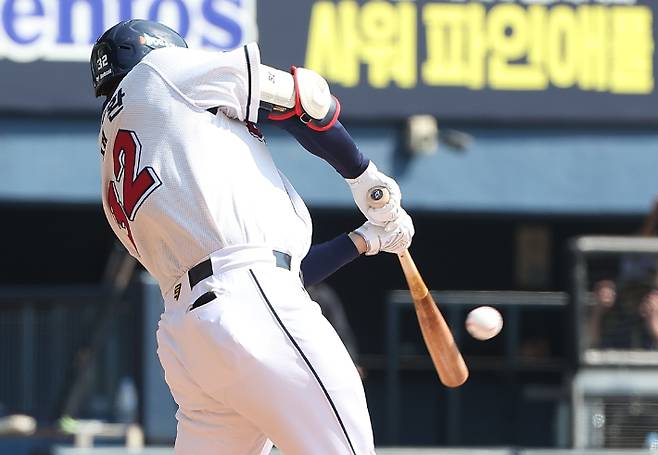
440	343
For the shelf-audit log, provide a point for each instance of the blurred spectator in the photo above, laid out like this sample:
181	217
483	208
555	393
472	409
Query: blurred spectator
332	309
649	314
625	311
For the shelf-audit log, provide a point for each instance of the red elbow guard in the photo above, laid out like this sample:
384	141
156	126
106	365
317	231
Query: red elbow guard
315	124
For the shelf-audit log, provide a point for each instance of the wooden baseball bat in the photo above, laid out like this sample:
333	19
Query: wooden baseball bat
440	343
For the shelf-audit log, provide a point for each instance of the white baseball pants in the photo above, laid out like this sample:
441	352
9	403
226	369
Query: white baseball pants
259	364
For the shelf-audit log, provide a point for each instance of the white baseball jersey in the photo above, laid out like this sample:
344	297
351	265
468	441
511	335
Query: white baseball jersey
247	356
179	182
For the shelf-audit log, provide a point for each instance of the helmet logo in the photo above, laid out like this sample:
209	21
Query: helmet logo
154	41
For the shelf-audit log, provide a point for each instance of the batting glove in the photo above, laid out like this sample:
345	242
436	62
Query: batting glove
361	187
395	237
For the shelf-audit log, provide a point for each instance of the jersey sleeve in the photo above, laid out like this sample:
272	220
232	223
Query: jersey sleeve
228	81
323	259
335	145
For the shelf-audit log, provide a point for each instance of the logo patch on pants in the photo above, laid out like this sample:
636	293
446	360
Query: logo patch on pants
177	292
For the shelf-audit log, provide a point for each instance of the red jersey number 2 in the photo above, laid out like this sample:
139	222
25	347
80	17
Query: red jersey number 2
136	185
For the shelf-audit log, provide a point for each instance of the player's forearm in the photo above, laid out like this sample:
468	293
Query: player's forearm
335	146
323	259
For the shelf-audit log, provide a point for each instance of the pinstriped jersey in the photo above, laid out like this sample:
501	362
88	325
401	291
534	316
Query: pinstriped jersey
180	182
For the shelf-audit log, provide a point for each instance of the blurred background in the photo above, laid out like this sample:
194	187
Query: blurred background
524	137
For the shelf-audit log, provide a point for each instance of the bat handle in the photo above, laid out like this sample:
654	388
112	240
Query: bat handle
378	196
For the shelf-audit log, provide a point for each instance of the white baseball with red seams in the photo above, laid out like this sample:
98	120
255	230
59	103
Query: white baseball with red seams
484	322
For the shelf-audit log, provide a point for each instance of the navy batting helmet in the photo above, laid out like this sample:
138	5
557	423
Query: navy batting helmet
123	46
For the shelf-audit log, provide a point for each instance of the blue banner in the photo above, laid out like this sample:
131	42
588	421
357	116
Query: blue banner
42	41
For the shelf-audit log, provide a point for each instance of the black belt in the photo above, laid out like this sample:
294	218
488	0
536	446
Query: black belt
203	270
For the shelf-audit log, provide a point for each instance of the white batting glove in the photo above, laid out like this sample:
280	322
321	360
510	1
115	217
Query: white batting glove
395	237
362	185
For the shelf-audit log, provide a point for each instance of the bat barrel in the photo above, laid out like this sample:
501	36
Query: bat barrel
440	343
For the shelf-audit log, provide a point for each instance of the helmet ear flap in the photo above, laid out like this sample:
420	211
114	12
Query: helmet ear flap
102	65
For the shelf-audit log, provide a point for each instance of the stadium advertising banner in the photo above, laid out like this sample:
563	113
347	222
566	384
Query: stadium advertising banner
509	60
517	60
45	44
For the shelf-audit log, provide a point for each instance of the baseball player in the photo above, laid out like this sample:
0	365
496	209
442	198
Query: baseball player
190	189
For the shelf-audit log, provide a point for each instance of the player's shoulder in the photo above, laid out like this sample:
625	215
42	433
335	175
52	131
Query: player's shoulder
174	58
182	57
165	55
173	64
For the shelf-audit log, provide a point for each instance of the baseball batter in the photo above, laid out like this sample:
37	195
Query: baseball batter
191	190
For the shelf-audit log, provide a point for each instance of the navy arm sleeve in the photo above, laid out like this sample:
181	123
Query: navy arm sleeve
335	145
323	259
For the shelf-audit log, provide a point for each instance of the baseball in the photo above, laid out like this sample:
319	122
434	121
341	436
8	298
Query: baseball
484	322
